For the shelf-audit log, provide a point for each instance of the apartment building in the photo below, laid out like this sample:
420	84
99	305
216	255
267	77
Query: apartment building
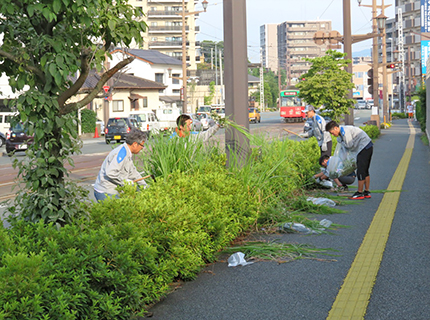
411	23
295	42
360	69
269	46
164	19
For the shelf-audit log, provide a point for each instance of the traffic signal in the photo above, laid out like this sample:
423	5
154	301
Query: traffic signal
391	66
370	81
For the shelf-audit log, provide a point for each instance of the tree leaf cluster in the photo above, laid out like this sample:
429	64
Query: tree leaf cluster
49	48
327	84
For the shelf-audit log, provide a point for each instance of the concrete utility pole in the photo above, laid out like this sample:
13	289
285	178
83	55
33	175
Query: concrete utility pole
261	82
347	48
384	69
236	78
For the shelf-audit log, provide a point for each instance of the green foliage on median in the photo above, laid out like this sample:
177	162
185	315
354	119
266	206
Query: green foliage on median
123	254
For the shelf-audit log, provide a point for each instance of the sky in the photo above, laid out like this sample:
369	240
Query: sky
261	12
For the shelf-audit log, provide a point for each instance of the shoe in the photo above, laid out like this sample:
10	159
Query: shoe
357	196
367	194
343	189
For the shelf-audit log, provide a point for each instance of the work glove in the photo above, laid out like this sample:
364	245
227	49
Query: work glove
304	134
324	147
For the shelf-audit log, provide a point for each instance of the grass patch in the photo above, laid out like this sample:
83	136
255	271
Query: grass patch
424	139
279	252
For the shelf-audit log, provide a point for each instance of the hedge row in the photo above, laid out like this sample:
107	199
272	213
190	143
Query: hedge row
127	251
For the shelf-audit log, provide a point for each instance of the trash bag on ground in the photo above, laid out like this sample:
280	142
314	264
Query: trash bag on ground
237	259
301	228
342	163
322	201
326	183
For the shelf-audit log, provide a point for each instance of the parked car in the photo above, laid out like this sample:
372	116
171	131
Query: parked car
197	124
17	139
204	109
101	124
254	115
218	109
360	104
206	120
147	121
2	139
118	128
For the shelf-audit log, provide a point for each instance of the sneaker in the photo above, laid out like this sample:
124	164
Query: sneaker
343	189
367	194
357	196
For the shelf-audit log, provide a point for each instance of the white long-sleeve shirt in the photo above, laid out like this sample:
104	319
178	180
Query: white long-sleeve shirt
117	168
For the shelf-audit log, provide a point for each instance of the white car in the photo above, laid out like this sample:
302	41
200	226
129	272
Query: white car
206	120
197	124
360	104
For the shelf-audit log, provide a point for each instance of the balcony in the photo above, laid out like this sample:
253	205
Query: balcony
169	44
170	29
167	29
165	14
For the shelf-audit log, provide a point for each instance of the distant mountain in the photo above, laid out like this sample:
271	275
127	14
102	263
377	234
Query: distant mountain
362	53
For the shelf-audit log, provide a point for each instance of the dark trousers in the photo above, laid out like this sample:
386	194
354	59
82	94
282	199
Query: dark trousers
328	152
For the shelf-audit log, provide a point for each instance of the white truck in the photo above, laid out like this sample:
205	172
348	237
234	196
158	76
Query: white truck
167	117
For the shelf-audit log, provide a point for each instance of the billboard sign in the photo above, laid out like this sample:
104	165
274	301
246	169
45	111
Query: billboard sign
425	52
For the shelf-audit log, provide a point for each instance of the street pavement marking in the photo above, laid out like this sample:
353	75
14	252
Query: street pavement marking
353	297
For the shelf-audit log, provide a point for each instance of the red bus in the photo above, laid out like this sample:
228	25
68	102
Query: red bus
291	106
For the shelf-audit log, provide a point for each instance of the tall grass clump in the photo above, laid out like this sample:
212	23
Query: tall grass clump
167	155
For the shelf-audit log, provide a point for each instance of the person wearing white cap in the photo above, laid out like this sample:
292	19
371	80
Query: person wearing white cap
318	131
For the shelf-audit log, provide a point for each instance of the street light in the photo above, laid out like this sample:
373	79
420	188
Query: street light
380	20
184	51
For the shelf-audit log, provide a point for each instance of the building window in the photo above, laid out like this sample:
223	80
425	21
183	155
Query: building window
176	91
117	105
159	77
175	81
144	102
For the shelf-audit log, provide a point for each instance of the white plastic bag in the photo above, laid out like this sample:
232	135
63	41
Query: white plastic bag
342	163
237	259
322	201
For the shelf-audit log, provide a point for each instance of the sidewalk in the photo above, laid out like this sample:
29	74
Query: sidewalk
307	289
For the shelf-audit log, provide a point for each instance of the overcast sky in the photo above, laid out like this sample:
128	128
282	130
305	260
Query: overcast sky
260	12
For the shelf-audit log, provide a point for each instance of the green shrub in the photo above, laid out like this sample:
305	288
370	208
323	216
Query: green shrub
372	131
76	272
88	121
398	115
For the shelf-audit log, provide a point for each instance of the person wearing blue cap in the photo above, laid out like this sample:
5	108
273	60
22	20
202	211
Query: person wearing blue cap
318	131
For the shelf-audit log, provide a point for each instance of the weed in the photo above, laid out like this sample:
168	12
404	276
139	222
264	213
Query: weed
278	251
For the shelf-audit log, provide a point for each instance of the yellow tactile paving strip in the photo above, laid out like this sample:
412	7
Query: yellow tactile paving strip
353	297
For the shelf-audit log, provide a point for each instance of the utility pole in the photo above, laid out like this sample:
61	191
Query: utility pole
216	74
183	13
221	78
261	81
236	79
402	59
384	69
375	93
347	48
